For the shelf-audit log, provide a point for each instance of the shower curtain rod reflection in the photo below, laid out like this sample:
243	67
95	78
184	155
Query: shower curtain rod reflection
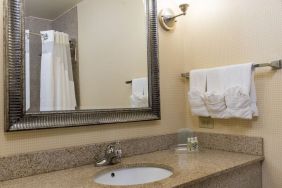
45	36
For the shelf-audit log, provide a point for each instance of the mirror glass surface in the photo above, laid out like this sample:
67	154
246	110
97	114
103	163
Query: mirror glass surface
85	54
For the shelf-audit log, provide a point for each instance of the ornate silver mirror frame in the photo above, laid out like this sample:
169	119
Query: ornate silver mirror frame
16	119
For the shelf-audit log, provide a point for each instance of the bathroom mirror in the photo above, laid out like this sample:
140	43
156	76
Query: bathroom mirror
80	62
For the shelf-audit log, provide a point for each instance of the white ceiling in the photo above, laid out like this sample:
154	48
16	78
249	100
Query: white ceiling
48	9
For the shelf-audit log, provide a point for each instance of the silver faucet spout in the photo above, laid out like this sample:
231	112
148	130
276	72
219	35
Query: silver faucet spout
112	155
102	162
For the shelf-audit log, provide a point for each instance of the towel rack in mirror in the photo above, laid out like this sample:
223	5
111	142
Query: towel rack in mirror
274	65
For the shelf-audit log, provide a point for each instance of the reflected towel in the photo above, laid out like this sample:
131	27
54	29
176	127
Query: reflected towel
27	70
139	97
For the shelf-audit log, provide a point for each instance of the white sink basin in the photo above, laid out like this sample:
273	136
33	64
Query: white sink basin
132	175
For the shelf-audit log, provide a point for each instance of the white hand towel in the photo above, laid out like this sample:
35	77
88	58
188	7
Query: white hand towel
240	92
139	101
139	97
253	95
198	83
214	97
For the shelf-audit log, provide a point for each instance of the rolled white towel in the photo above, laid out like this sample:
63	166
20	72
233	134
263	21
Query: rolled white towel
240	92
238	102
214	97
216	105
197	103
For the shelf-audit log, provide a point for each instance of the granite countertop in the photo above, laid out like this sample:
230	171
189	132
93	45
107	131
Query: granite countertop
187	168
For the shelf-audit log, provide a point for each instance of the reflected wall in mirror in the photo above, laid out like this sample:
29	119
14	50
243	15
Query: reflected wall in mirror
85	54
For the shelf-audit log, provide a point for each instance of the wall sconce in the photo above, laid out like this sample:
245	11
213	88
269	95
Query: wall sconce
167	18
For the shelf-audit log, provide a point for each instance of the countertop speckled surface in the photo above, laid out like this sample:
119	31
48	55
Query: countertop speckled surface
188	169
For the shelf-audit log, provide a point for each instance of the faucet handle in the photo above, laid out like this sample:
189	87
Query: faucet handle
118	153
118	145
113	147
118	149
117	158
110	149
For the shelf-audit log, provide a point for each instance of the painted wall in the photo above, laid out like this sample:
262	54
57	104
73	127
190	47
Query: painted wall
112	50
222	32
172	97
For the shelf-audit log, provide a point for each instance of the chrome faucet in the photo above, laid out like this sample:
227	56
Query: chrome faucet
112	155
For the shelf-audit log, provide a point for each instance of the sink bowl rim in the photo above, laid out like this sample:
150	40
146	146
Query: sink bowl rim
135	165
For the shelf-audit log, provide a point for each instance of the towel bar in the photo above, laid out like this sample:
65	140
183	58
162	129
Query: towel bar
274	65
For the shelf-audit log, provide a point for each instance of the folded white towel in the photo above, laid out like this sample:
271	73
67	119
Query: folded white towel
198	83
253	95
139	97
231	92
238	75
228	92
214	97
240	95
139	101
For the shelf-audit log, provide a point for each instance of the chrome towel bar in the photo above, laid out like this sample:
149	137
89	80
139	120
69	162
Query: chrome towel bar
274	65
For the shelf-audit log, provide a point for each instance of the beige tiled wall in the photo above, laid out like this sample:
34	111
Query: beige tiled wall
222	32
173	113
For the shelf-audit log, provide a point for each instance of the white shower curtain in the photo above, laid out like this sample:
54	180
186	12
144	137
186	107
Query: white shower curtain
57	90
27	71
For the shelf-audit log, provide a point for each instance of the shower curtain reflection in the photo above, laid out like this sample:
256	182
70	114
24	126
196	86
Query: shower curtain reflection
57	91
27	71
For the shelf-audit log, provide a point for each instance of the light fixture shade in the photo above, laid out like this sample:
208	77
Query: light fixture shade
181	2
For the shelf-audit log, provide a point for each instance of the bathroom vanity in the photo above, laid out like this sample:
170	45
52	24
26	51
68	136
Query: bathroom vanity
223	161
208	168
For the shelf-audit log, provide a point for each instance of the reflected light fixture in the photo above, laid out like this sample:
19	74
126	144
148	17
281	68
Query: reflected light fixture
167	18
